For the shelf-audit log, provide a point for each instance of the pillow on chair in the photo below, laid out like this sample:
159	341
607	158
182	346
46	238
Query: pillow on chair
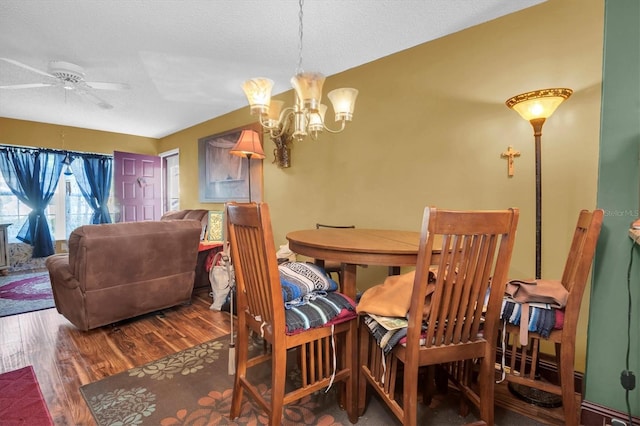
301	278
321	311
310	297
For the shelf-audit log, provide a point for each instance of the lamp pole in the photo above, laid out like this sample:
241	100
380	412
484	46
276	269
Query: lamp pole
537	133
249	154
248	146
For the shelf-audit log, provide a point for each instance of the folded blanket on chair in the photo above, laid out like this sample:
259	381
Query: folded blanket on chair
386	339
542	317
300	278
319	310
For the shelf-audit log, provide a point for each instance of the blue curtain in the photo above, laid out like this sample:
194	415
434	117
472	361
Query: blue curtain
93	174
32	175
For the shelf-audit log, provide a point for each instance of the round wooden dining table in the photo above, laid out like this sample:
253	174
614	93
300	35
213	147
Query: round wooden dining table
355	246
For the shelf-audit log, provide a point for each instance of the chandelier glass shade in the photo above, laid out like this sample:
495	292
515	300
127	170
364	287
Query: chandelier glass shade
307	115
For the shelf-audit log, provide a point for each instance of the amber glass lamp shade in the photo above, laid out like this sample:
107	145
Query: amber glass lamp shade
539	103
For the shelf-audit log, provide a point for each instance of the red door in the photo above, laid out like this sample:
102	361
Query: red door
137	186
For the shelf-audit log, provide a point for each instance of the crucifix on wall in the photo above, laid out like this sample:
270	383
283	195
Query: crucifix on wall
510	154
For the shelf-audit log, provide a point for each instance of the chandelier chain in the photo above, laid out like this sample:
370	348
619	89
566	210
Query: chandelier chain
300	32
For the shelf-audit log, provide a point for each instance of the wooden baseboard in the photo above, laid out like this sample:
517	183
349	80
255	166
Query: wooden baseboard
548	370
594	414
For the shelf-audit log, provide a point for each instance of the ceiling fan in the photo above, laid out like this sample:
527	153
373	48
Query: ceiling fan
68	76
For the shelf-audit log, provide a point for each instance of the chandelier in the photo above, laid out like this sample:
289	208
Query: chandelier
307	115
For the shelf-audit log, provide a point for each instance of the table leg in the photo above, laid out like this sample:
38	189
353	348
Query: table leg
349	288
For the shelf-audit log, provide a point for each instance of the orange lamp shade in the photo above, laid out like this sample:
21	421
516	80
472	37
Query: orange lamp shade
248	145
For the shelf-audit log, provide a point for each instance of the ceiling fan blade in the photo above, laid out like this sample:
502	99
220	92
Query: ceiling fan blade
27	67
95	99
107	86
26	86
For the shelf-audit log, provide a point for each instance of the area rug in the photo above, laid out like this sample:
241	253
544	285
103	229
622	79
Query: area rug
21	400
26	292
193	387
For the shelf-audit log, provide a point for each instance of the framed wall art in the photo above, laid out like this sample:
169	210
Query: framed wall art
223	177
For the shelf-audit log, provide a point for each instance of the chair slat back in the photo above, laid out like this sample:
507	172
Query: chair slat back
578	264
475	255
583	247
254	257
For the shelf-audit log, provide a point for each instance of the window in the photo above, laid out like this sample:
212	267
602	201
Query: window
77	211
67	210
170	180
13	211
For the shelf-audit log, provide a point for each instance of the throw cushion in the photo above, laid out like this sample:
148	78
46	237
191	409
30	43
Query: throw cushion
301	278
319	311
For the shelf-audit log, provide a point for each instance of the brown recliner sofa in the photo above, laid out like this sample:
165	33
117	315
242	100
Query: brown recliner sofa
121	270
200	215
201	280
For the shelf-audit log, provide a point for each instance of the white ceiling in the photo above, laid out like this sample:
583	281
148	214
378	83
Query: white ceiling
186	60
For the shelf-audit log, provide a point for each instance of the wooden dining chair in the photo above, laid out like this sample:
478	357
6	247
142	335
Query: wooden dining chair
331	266
462	322
574	279
323	352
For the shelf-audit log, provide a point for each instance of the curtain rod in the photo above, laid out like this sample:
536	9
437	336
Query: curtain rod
63	151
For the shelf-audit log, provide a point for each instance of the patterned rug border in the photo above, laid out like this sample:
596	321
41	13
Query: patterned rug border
193	387
137	403
9	305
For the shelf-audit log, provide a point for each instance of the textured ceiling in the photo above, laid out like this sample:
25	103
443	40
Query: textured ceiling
184	61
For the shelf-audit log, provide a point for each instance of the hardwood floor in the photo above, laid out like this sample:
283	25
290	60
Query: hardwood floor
65	358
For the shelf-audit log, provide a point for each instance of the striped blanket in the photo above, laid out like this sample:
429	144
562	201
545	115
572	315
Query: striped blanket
386	339
311	298
320	309
542	318
300	278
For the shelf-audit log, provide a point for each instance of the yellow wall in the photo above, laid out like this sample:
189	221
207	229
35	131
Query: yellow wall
187	142
29	133
429	126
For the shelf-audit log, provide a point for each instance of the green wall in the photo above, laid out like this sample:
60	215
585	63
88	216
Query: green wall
618	195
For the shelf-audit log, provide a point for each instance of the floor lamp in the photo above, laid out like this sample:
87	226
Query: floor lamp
536	107
248	146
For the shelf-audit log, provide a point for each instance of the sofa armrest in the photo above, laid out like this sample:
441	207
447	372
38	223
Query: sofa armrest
60	272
